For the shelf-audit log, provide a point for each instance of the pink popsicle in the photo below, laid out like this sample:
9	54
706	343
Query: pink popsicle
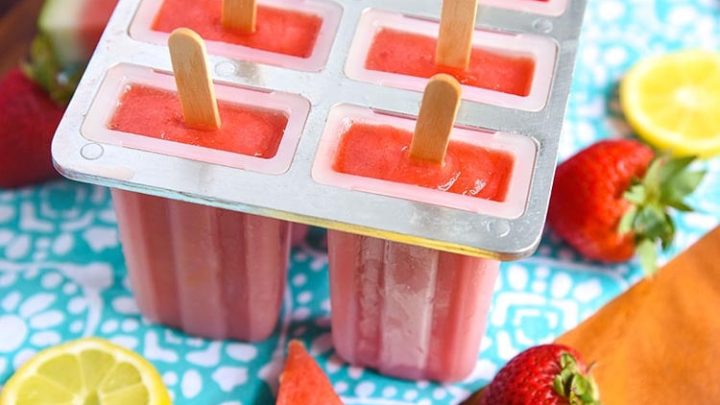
468	170
280	31
211	272
395	51
156	113
408	311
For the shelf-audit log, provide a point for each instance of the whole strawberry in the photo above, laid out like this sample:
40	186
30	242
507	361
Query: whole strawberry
543	375
612	200
28	120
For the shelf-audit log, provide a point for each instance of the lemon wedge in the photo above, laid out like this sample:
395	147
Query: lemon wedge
673	102
88	371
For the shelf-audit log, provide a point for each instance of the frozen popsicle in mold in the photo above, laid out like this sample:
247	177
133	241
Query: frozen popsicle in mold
483	171
208	271
260	130
509	70
292	34
408	311
154	112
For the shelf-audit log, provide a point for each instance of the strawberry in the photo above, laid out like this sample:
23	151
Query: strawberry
612	200
28	120
543	375
302	382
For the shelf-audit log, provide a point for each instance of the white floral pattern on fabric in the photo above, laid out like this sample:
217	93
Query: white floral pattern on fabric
62	274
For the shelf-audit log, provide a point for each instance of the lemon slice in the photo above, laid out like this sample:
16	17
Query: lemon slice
673	102
86	372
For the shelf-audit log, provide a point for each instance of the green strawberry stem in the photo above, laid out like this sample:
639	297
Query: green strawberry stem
573	385
667	182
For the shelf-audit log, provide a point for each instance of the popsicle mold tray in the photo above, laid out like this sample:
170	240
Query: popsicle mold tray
304	91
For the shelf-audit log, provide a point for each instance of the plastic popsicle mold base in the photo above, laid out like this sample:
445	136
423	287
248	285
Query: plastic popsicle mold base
293	194
407	311
211	272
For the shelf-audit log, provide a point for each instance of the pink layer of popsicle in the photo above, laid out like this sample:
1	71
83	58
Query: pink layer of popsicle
410	54
469	170
280	31
409	312
153	112
210	272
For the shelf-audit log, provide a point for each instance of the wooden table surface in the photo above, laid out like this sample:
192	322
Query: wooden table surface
18	20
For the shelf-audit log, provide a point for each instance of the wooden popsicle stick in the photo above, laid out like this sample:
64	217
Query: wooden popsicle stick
457	24
239	15
438	111
195	86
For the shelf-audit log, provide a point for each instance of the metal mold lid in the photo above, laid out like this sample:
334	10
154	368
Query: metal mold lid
294	195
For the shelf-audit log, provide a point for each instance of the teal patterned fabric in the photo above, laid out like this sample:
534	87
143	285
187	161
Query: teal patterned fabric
62	274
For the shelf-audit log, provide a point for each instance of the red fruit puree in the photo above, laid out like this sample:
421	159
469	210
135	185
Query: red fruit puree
409	54
157	113
382	152
277	30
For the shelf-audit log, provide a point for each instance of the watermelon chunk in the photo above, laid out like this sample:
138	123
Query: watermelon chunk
302	382
74	27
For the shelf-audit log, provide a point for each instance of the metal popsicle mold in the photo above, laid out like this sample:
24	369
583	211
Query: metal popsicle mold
293	194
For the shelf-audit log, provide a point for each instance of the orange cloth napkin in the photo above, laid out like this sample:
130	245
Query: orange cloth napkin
659	342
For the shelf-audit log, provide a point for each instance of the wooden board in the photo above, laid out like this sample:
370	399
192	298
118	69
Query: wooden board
659	342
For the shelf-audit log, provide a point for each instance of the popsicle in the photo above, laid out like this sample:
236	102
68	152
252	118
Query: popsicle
278	30
402	51
411	54
153	112
208	271
408	311
468	170
451	51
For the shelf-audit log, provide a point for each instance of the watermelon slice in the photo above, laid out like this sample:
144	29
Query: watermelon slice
303	382
69	33
74	27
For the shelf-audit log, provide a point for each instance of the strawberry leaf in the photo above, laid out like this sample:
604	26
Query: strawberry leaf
647	252
627	221
673	167
652	179
570	383
668	236
680	186
650	222
667	182
636	194
680	206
